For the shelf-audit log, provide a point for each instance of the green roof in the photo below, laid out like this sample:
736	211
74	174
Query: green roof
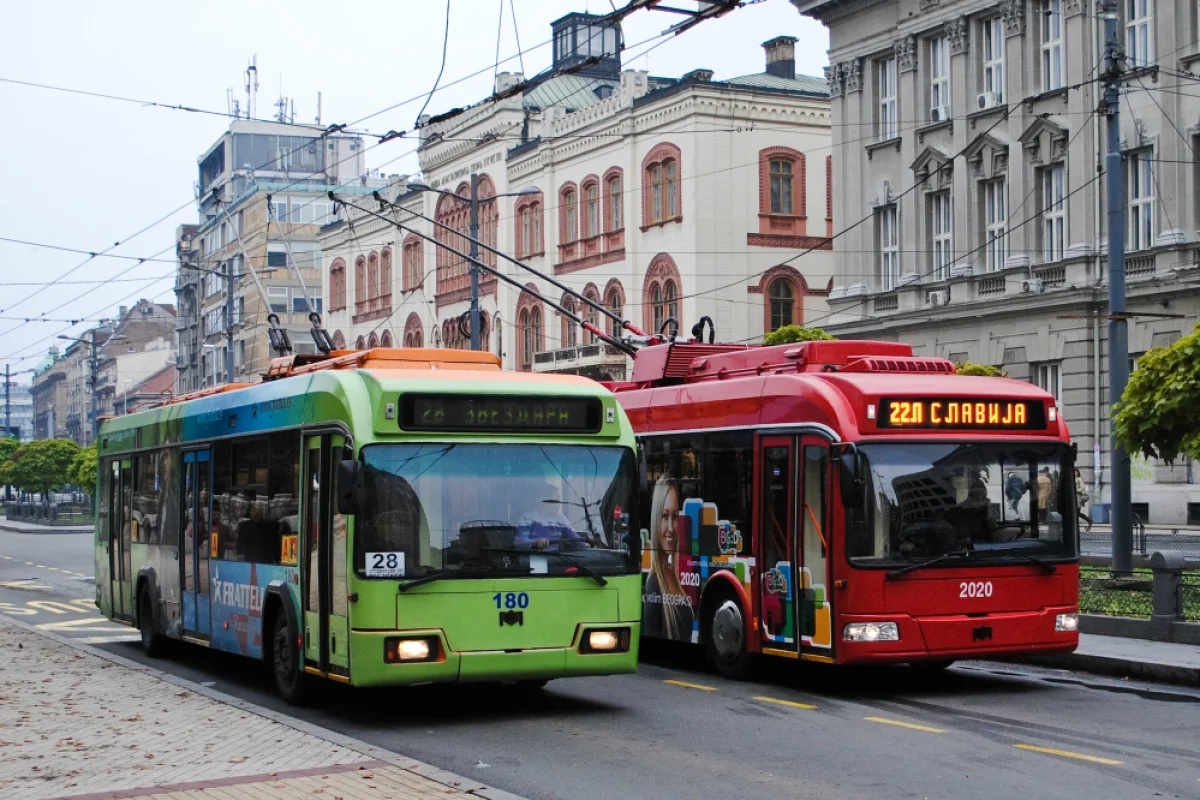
572	91
801	83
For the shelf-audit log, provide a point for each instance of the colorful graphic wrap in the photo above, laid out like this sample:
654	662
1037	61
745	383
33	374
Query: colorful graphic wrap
238	592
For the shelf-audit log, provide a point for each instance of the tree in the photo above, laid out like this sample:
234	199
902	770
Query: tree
795	333
40	466
84	468
8	446
1159	415
981	370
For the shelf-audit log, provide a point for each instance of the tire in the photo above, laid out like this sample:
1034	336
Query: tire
727	637
290	680
153	643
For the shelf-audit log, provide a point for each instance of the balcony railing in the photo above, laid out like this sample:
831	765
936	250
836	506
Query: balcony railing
1051	276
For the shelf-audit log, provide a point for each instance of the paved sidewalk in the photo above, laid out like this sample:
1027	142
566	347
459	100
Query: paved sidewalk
78	723
1135	658
17	526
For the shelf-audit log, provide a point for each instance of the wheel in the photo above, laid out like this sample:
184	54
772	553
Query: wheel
931	667
285	662
153	643
727	638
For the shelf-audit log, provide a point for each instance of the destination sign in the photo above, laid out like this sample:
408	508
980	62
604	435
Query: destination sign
507	413
961	414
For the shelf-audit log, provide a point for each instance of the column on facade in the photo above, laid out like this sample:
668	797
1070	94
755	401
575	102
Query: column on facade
910	105
1019	81
962	191
850	179
1080	61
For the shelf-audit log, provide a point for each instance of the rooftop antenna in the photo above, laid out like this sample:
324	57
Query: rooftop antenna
232	103
252	87
318	108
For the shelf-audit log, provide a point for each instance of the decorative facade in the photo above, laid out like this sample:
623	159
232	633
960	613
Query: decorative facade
664	199
971	210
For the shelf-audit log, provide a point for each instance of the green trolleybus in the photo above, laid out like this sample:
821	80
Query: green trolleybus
383	517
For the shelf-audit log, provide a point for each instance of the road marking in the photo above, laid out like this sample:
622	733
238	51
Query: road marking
789	703
687	685
29	564
1067	754
83	624
131	636
23	583
898	723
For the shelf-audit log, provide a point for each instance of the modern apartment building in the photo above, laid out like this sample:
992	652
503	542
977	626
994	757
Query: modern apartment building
970	203
261	197
662	198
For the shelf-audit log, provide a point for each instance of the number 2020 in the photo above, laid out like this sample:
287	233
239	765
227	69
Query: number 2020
511	600
975	589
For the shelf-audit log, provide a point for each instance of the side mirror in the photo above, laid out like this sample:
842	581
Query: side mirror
850	479
349	486
641	453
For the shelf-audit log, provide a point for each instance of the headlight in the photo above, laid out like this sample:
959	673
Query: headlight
871	632
396	651
613	640
1066	623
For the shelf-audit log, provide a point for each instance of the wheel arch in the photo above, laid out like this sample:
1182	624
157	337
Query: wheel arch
147	581
719	583
279	599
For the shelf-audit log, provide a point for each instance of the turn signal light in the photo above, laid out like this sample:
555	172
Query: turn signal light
403	651
614	640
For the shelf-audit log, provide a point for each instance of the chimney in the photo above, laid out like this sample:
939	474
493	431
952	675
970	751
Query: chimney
781	56
698	76
123	311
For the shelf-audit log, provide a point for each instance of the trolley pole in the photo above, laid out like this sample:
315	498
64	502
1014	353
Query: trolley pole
474	267
1118	331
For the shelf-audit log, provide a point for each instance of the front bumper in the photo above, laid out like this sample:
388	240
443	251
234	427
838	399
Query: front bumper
959	636
368	668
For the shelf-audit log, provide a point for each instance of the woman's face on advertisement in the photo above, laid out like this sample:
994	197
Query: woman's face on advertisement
666	522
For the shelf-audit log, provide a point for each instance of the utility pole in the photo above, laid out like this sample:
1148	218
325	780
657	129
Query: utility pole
1118	332
474	268
7	402
229	319
94	369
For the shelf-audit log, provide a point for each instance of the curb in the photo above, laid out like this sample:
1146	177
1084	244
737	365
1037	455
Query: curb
1155	671
446	778
44	529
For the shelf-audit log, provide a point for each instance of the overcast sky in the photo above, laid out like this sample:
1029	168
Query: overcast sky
83	172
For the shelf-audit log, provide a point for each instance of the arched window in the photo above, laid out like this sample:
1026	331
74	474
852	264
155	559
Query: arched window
526	340
590	314
570	335
339	340
360	280
414	269
499	337
568	214
337	285
539	332
372	276
614	215
386	339
360	343
783	289
372	340
614	301
455	214
660	172
489	221
591	208
781	191
660	293
412	330
782	300
385	272
528	234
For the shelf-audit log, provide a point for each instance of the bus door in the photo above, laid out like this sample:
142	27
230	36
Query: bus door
326	630
776	535
814	612
195	544
120	538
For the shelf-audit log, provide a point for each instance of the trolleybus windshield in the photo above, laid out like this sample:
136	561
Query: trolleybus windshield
496	510
985	502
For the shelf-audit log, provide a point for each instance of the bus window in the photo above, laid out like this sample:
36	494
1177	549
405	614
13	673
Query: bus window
728	483
257	505
145	498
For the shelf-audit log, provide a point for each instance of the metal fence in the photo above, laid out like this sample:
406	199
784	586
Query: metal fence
1146	540
55	513
1190	600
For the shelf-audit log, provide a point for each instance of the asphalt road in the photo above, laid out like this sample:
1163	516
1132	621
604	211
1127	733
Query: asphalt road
675	729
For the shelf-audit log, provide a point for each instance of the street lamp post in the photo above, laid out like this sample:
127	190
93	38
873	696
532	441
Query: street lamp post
473	254
128	381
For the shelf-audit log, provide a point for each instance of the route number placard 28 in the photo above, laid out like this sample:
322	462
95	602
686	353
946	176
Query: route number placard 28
385	565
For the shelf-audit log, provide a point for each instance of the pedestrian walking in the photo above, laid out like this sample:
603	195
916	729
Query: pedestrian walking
1081	497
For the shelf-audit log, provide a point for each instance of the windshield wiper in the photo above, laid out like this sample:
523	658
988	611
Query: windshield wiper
598	578
1046	565
445	573
897	573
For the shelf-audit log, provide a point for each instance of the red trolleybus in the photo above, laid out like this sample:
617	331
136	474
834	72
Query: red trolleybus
846	502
